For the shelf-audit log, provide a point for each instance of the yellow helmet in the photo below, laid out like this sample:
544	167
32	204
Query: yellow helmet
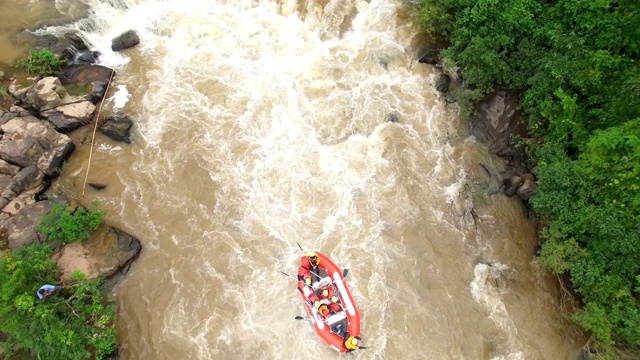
307	281
325	292
311	254
354	341
316	304
334	299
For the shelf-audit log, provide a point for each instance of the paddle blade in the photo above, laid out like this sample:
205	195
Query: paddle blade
299	246
345	272
299	318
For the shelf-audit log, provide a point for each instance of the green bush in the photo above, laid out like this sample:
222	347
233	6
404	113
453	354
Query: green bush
61	225
73	323
43	62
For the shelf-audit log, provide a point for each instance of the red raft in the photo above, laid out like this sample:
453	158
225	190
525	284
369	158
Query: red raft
344	319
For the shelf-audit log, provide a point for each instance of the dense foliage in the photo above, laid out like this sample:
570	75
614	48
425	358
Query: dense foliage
71	324
64	225
576	64
43	62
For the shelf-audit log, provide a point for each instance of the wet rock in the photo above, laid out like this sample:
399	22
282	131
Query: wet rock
51	160
527	189
394	118
528	176
496	118
103	254
513	181
62	123
86	57
443	82
430	56
92	78
125	40
509	153
98	186
117	127
77	41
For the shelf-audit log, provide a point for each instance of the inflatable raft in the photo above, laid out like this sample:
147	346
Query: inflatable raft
344	319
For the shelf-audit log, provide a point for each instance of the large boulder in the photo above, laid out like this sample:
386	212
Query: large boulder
25	139
496	118
92	78
117	127
125	40
103	254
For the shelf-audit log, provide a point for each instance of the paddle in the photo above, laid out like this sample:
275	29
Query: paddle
299	318
299	246
345	272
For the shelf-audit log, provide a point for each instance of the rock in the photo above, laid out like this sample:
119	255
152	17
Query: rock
430	56
82	110
98	186
8	116
513	181
28	178
8	169
528	176
86	57
25	139
527	189
443	82
394	118
104	253
508	153
21	228
125	40
496	118
92	77
51	160
76	41
46	93
117	127
62	123
19	89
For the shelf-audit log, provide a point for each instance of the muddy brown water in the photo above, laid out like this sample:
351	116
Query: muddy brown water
263	124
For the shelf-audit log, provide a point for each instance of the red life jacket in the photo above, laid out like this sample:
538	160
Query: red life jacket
328	291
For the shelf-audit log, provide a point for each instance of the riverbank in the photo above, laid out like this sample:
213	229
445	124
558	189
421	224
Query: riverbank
39	113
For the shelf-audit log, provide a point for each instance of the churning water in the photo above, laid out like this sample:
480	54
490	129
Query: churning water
260	124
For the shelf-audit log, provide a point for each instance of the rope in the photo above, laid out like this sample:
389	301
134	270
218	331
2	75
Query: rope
95	127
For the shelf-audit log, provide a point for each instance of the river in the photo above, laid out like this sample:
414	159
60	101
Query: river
263	124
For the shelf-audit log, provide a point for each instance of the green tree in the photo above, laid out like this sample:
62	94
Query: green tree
72	324
63	225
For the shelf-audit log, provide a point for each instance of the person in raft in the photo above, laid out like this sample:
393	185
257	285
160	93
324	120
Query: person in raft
308	263
327	292
46	290
352	343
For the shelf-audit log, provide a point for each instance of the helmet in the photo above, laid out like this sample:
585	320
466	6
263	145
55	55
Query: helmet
354	341
334	299
311	254
325	292
316	304
307	281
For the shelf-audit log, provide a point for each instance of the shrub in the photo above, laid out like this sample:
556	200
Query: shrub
43	62
71	324
61	225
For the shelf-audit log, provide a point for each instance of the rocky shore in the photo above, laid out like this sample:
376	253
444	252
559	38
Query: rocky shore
37	115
